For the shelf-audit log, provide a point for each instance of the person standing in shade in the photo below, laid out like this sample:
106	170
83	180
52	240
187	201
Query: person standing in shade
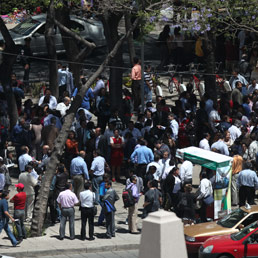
66	200
109	199
79	172
87	198
19	201
5	216
136	76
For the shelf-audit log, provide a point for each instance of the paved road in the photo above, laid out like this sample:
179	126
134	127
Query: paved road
116	254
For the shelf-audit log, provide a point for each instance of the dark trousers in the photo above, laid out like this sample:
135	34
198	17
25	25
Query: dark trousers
246	193
110	224
202	211
87	214
141	170
52	206
19	215
62	89
136	91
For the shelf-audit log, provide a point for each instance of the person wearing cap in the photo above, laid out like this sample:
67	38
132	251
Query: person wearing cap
29	183
5	216
19	201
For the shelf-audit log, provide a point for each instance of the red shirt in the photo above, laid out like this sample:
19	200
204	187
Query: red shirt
19	201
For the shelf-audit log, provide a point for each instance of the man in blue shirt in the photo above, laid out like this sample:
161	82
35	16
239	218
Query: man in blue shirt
247	182
79	172
5	216
142	156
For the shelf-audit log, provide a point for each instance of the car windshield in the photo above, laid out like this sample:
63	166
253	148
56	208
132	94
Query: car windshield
232	219
242	233
26	27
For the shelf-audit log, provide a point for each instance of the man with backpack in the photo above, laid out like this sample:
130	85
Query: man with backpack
132	190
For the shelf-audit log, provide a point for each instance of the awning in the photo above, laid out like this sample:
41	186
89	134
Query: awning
208	159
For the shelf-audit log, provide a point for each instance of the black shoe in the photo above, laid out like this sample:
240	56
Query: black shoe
113	235
61	238
91	238
108	237
135	233
72	238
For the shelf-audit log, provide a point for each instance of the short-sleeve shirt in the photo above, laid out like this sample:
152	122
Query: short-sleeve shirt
3	208
98	166
67	199
19	201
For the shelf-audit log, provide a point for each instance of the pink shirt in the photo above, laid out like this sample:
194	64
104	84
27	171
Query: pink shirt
136	74
67	199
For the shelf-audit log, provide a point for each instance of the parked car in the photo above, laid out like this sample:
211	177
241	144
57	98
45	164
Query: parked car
34	28
195	235
238	245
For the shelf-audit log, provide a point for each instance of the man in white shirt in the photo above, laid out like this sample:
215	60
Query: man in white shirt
48	99
186	172
29	183
234	130
205	194
97	169
165	165
173	125
252	87
24	159
155	163
99	85
62	107
87	199
204	143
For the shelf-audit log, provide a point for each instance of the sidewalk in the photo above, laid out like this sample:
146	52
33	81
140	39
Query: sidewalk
49	244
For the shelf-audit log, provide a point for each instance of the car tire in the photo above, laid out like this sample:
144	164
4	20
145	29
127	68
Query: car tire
226	256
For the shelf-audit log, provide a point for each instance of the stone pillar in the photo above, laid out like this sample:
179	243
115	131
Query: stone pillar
162	236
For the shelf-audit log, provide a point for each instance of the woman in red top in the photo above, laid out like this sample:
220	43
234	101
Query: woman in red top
71	149
117	154
19	201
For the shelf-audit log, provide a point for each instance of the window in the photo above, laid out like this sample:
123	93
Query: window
75	26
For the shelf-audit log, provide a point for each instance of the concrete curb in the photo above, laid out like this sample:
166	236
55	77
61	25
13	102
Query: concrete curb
73	250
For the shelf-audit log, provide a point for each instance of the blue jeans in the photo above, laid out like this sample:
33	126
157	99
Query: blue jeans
4	225
20	216
95	187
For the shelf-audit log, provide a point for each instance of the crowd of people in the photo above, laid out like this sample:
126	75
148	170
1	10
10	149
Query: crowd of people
99	153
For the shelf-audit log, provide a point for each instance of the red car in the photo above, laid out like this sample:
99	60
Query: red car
243	244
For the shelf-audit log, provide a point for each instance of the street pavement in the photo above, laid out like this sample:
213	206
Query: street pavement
49	244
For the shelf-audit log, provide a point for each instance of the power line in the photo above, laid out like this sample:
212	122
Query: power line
121	67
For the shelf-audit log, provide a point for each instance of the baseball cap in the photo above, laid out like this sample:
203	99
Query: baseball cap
20	185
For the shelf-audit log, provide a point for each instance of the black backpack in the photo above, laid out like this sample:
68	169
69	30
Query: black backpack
128	198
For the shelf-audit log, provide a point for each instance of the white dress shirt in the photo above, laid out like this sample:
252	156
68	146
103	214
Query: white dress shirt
62	108
157	174
205	188
52	102
234	132
164	167
204	144
186	170
23	161
98	166
174	127
87	199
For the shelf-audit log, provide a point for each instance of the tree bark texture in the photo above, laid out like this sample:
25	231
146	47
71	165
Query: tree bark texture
51	49
110	22
41	203
130	42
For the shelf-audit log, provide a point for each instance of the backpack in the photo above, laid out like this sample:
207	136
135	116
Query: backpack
128	198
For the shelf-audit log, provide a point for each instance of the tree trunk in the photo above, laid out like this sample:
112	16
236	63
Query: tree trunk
75	52
41	203
6	71
110	22
210	79
51	49
130	42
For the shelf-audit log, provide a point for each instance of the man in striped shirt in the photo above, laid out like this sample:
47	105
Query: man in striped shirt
148	84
